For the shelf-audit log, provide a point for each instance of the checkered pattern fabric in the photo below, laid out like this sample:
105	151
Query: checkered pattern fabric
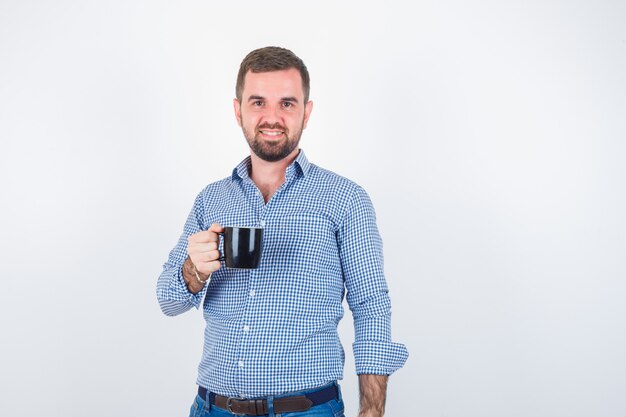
273	329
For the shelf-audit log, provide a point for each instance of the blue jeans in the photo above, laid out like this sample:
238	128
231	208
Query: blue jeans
333	408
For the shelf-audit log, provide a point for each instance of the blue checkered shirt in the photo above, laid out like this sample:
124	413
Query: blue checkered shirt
273	329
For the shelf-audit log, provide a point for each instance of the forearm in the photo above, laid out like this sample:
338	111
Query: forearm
372	395
178	289
194	285
173	292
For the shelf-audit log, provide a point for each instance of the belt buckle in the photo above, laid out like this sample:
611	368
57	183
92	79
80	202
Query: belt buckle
229	403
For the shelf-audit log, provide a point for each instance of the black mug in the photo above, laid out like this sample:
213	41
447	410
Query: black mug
242	247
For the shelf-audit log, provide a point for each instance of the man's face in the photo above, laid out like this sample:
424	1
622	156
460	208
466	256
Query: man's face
272	113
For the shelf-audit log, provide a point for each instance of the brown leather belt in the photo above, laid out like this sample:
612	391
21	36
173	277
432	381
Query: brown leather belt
258	407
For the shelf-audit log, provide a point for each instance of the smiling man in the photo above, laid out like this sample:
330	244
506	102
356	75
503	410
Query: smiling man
273	137
271	344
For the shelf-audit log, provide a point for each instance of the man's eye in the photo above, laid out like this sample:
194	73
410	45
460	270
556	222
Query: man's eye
257	103
287	104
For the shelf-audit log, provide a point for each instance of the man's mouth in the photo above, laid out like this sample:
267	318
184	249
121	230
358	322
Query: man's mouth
272	132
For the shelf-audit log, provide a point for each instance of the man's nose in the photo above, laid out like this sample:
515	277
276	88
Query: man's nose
271	114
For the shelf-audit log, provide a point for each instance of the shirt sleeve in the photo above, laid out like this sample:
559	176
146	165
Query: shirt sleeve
360	249
172	293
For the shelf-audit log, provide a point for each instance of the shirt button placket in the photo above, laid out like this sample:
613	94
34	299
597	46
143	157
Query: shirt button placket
247	318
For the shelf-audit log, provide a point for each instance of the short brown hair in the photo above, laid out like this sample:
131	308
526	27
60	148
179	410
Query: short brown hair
272	58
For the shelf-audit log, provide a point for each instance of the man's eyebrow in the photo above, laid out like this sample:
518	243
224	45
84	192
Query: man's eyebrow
290	99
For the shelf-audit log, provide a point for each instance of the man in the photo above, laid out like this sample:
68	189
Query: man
271	343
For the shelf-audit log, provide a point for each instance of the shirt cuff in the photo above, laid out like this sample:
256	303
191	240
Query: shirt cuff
378	358
194	299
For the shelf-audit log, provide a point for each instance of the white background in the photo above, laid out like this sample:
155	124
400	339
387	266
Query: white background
489	134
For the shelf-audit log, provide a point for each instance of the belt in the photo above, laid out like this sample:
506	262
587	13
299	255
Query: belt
258	407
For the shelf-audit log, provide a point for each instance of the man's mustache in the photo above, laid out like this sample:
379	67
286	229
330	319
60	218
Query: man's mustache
276	126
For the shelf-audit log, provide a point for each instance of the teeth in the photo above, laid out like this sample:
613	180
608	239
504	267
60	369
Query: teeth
271	133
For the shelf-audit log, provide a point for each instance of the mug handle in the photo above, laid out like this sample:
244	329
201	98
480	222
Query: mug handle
221	258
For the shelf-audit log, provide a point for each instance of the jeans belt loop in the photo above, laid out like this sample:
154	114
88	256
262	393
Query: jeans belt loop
270	406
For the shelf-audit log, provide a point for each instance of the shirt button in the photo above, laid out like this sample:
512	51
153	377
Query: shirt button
262	223
240	364
252	293
246	328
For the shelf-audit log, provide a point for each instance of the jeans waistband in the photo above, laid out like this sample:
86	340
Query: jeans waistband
283	404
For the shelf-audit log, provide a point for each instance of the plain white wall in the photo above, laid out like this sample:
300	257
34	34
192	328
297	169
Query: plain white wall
489	134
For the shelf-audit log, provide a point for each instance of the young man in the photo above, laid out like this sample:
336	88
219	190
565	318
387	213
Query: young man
271	343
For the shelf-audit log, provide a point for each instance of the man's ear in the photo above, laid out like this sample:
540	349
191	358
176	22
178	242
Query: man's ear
237	108
308	108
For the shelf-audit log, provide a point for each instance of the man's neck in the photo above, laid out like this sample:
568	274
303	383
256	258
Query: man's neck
269	176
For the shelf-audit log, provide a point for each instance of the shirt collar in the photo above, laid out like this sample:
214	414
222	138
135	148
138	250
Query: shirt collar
300	165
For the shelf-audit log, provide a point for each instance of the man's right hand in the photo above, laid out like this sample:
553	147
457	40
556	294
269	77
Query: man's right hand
203	255
202	248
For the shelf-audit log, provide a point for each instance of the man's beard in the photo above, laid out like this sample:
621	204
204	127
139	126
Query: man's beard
272	151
